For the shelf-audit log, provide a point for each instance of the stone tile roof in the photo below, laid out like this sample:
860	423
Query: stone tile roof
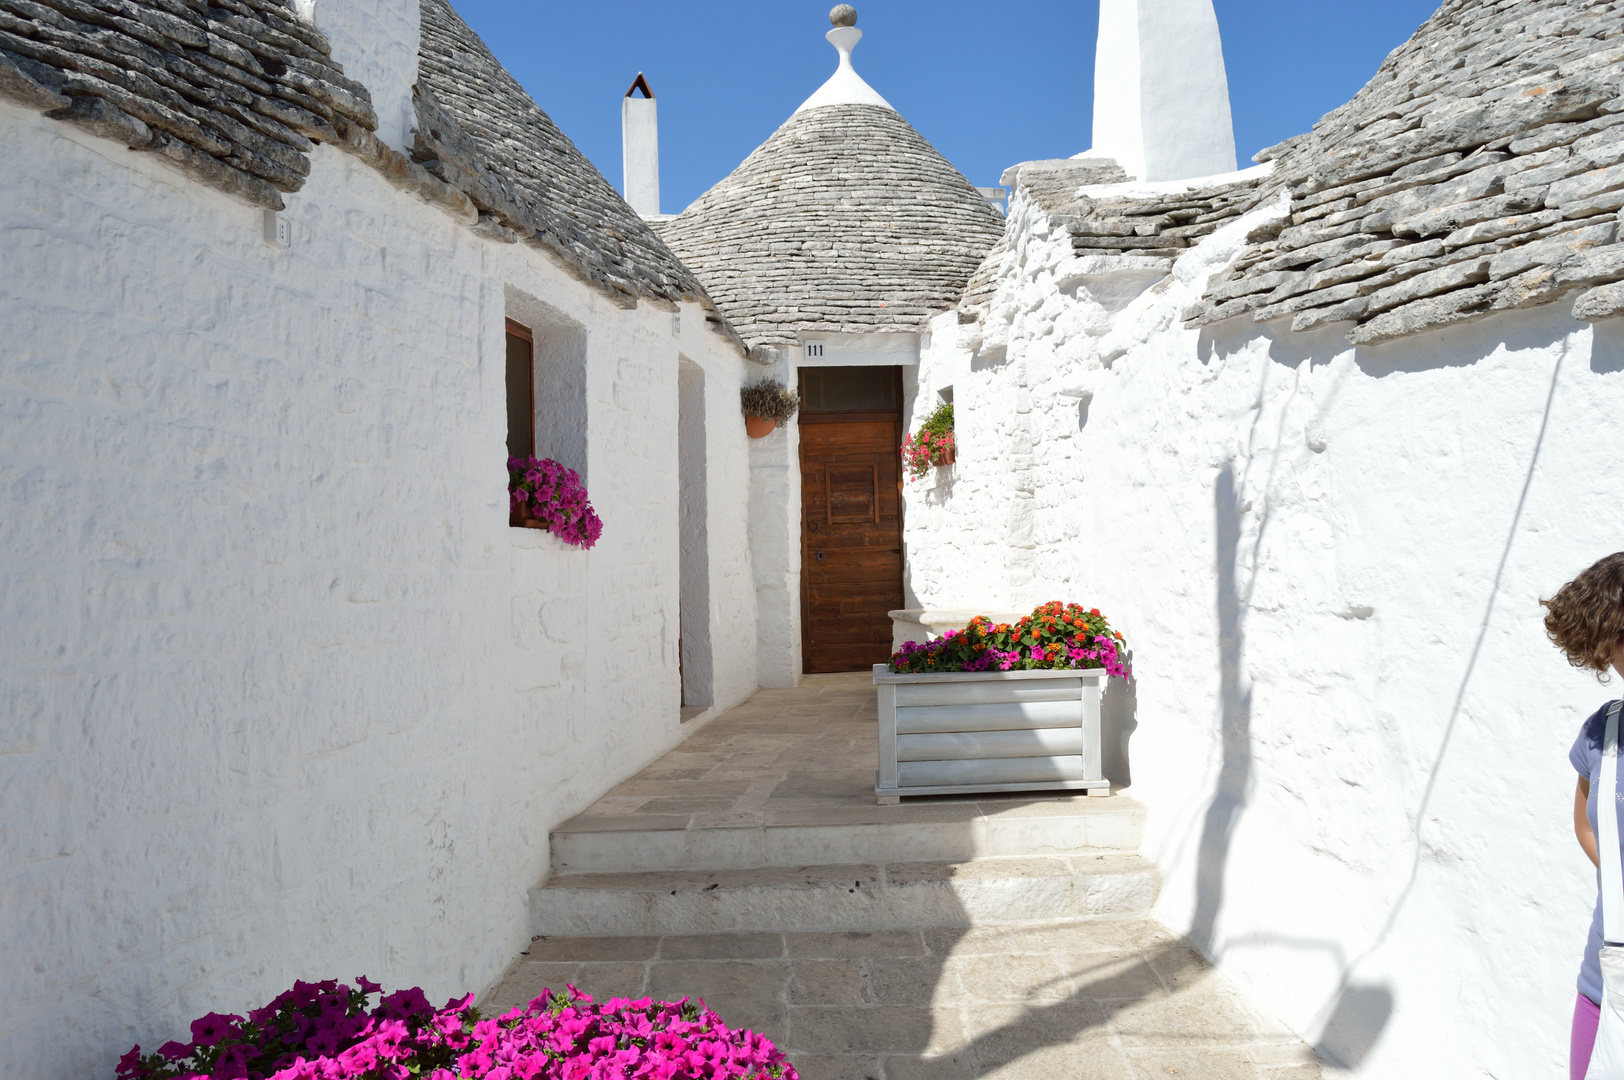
1109	217
1481	170
232	91
844	221
479	131
236	92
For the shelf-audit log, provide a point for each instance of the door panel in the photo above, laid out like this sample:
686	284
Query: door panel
851	533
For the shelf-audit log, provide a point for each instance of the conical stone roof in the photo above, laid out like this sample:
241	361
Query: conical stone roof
844	221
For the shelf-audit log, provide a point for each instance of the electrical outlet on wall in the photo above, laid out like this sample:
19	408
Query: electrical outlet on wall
278	231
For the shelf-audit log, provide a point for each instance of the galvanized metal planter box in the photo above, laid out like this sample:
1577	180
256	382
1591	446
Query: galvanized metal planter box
989	731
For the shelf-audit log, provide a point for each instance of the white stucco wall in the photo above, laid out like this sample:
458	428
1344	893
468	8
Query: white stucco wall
1161	92
376	41
775	538
283	695
1347	725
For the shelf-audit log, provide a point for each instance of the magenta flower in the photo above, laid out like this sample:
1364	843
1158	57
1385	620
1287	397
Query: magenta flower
544	490
326	1031
211	1029
232	1064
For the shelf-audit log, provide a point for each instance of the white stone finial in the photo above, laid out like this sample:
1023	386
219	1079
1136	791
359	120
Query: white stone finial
1161	95
845	86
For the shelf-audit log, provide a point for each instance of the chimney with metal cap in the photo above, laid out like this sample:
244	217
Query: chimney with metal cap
640	149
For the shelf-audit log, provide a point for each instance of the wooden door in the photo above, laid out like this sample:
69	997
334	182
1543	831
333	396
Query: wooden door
851	519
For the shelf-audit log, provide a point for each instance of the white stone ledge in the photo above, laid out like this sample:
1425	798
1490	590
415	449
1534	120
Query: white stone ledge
539	540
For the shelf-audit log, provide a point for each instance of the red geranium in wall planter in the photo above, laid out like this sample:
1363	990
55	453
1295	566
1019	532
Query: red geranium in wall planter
932	445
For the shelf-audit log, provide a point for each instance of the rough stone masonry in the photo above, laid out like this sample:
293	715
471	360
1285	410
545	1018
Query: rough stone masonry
1481	170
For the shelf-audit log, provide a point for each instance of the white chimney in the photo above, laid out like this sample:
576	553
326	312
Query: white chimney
640	149
1161	95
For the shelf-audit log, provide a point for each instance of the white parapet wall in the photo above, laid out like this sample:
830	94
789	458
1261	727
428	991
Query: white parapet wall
283	695
1346	723
377	43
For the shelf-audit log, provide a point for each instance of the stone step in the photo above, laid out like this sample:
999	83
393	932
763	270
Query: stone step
948	830
863	897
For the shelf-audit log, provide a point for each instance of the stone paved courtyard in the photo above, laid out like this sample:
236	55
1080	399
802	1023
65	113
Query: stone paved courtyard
1117	996
788	764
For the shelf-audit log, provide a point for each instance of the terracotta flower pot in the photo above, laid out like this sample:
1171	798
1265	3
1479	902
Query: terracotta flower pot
759	427
945	456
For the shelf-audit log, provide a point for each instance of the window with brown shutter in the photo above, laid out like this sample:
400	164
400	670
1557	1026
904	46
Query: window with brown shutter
521	390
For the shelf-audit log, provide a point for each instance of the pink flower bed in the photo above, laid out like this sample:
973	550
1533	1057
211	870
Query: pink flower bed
326	1031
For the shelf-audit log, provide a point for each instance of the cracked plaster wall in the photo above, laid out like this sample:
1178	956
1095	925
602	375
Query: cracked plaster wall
1350	731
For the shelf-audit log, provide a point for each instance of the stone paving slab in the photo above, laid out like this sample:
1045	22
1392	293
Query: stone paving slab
1103	998
859	897
787	779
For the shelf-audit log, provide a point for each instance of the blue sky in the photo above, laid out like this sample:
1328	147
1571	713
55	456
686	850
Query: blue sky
990	84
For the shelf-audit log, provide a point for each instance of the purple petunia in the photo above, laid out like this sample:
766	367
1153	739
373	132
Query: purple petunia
542	489
558	1036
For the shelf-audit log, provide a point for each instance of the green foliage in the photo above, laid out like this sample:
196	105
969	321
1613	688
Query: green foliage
940	422
928	445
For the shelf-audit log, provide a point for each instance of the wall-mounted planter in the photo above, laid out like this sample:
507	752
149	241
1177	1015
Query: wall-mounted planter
989	731
759	427
945	457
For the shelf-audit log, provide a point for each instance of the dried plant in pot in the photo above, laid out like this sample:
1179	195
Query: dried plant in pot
766	405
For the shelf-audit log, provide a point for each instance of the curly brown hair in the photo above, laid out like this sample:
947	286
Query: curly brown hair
1586	616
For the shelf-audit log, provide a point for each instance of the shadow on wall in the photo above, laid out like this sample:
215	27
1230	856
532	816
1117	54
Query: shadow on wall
1119	719
1464	346
1607	347
1357	1013
1356	1022
1235	721
1219	341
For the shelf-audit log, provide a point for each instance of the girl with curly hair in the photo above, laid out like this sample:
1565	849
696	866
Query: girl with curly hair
1586	621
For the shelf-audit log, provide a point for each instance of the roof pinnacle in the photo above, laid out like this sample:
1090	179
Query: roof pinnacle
845	86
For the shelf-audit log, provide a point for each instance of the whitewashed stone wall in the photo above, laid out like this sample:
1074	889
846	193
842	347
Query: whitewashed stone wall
1347	724
283	695
775	545
377	43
